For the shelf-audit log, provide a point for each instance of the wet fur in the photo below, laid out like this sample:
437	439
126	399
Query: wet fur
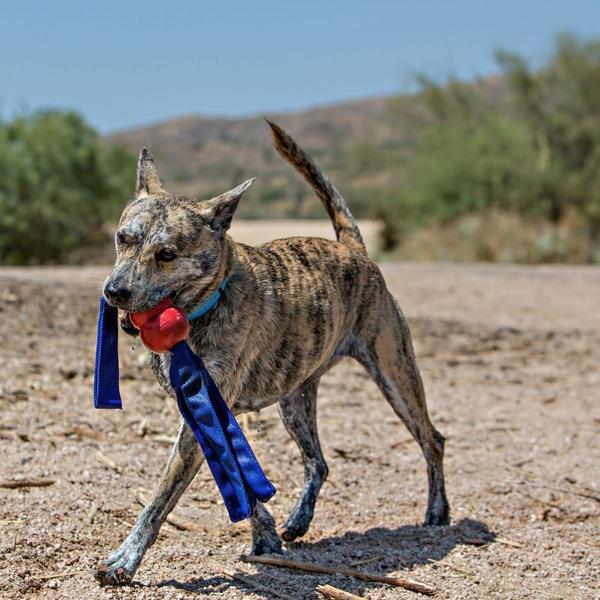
291	310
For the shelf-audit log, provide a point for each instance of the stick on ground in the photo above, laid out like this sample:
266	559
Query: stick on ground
366	561
107	462
506	542
409	584
92	513
256	585
335	594
444	563
56	575
165	440
24	483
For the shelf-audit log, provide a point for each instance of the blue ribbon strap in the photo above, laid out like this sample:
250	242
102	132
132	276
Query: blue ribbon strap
237	472
106	370
234	466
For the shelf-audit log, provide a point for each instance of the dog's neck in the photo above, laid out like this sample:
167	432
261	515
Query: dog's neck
234	272
209	302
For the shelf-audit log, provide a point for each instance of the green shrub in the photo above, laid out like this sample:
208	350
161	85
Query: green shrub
467	167
59	185
528	145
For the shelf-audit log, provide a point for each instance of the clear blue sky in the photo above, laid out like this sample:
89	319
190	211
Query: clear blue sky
124	64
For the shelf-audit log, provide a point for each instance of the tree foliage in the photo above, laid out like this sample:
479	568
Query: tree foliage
561	105
528	145
58	187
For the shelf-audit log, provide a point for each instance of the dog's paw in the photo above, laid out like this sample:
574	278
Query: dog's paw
296	525
112	575
290	532
438	516
266	544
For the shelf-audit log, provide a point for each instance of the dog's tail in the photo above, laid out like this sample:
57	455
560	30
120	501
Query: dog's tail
346	229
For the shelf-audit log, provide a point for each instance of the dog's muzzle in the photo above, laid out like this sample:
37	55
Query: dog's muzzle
126	324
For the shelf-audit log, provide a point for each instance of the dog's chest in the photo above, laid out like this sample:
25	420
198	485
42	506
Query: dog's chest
241	402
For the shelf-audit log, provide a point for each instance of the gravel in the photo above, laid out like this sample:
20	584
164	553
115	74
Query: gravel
509	357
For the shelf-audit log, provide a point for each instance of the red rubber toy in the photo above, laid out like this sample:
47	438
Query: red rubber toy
162	326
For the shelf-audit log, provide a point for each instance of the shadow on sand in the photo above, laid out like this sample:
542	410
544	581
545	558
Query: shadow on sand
391	550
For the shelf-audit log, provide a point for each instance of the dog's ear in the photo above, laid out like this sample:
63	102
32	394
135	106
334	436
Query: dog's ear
147	183
220	210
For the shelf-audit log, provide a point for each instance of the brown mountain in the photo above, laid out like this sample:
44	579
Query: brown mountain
356	142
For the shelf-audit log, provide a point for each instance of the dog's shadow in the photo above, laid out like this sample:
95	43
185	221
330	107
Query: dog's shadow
379	550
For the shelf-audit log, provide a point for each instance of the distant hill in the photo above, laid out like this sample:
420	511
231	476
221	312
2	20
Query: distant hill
360	145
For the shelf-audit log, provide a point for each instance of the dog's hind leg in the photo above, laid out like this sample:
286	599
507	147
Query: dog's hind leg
388	356
184	462
298	412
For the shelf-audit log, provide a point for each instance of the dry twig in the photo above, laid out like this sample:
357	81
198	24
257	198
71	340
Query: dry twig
365	561
400	443
165	440
256	585
92	513
562	490
11	521
56	575
541	501
335	594
25	483
83	431
142	428
409	584
506	542
107	462
448	565
545	593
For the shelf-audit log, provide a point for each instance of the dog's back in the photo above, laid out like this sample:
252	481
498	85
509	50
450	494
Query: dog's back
316	294
305	300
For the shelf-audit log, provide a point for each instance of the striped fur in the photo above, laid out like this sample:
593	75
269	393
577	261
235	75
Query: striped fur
291	310
343	222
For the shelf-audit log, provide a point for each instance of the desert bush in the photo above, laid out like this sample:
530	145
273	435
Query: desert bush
467	167
498	236
59	185
531	149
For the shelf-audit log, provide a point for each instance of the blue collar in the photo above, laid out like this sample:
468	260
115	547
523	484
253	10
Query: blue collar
212	299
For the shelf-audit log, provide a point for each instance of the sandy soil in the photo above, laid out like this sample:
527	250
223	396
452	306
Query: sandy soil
510	360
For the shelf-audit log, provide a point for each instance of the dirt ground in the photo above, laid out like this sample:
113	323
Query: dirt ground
509	356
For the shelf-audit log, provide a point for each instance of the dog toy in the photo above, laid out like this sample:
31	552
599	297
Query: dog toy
161	327
164	328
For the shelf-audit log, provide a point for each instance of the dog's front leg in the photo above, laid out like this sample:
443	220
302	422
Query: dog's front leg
184	462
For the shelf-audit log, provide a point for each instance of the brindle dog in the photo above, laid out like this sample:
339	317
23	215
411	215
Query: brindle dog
292	309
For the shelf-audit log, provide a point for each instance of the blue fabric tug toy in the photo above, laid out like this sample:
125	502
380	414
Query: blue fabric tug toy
236	470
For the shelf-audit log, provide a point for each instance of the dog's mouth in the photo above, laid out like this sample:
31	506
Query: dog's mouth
126	325
125	315
149	304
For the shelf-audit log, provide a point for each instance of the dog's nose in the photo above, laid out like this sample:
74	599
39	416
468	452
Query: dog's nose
117	295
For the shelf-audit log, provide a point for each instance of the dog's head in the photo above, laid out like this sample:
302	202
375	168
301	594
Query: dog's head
168	245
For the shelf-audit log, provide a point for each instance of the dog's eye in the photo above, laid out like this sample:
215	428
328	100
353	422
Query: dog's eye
165	255
121	238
